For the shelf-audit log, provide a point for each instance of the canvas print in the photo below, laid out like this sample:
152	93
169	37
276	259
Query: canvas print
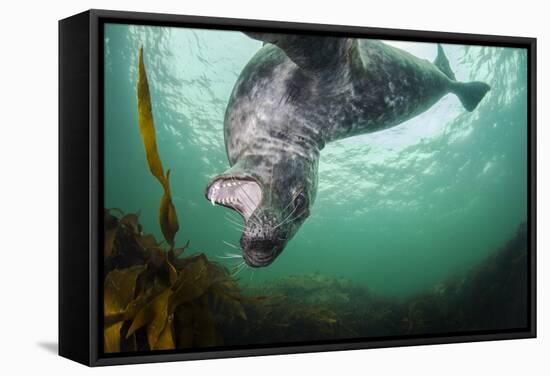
282	189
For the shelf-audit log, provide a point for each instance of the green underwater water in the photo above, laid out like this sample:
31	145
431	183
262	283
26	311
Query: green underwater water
399	210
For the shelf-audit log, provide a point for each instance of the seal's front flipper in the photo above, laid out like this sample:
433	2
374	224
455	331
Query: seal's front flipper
442	63
470	93
309	52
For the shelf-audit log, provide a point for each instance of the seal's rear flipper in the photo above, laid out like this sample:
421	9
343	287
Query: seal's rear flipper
442	63
470	93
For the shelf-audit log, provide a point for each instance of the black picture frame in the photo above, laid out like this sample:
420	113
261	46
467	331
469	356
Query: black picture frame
81	182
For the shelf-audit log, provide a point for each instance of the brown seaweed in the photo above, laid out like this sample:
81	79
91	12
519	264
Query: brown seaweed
167	213
153	298
150	303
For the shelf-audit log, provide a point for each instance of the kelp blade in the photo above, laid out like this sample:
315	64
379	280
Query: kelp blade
168	218
146	123
119	288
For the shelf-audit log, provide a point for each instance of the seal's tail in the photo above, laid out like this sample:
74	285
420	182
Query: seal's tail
470	93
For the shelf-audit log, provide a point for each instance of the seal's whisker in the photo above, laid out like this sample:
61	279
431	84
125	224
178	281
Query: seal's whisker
238	227
239	264
231	245
234	219
286	218
237	268
289	219
252	275
232	254
253	216
271	191
233	214
297	216
234	267
240	230
229	256
284	209
240	269
229	214
235	257
235	223
287	205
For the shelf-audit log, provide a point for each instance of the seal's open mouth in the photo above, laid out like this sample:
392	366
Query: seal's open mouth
242	195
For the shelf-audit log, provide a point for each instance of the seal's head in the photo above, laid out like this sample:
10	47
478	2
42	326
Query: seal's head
272	196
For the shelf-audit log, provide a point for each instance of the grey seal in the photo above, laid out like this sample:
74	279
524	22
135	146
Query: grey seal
299	92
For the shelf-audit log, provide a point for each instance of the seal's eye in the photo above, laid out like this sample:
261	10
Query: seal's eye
300	202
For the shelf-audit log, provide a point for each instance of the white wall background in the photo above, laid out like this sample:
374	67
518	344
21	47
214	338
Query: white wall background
28	186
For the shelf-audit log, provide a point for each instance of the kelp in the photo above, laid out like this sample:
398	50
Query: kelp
152	303
167	213
153	298
119	289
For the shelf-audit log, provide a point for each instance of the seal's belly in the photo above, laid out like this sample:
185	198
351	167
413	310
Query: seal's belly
273	96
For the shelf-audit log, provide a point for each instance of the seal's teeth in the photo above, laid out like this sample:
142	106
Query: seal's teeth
213	199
